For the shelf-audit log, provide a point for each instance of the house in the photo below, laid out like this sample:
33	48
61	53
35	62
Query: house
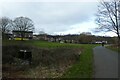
19	35
40	37
100	42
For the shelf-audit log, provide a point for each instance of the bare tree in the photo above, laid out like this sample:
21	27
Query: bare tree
23	24
108	16
5	24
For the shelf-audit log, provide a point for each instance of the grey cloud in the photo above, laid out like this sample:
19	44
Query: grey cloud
65	13
53	16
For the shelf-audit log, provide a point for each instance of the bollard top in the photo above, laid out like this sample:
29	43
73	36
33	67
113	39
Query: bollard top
24	50
21	50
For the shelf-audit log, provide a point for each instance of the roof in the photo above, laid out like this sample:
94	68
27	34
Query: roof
22	31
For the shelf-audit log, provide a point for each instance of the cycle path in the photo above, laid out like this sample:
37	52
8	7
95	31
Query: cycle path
105	63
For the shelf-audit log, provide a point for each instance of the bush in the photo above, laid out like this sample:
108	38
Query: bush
56	56
41	56
56	60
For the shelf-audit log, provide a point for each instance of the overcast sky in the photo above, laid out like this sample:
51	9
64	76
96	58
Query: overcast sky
55	17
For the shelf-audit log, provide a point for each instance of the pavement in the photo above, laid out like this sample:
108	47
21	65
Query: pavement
105	63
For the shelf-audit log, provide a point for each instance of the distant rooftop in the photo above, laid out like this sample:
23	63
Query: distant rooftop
22	31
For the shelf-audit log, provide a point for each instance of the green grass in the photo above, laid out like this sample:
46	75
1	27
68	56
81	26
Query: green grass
116	49
44	44
83	68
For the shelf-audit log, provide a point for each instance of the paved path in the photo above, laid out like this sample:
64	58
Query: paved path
105	63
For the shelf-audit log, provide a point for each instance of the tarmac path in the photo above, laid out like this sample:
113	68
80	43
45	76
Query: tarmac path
105	63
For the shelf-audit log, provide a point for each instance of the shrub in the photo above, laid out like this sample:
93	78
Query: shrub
56	59
56	56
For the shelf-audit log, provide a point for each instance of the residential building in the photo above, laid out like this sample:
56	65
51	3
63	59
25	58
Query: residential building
19	35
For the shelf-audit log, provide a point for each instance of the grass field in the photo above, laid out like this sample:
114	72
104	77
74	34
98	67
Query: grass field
62	53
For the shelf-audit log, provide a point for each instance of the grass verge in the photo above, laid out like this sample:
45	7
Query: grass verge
84	67
114	48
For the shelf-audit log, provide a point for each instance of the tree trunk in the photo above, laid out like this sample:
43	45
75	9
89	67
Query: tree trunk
22	36
118	41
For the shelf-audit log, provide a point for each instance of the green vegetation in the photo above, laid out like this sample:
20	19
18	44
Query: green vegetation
84	67
53	59
114	48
